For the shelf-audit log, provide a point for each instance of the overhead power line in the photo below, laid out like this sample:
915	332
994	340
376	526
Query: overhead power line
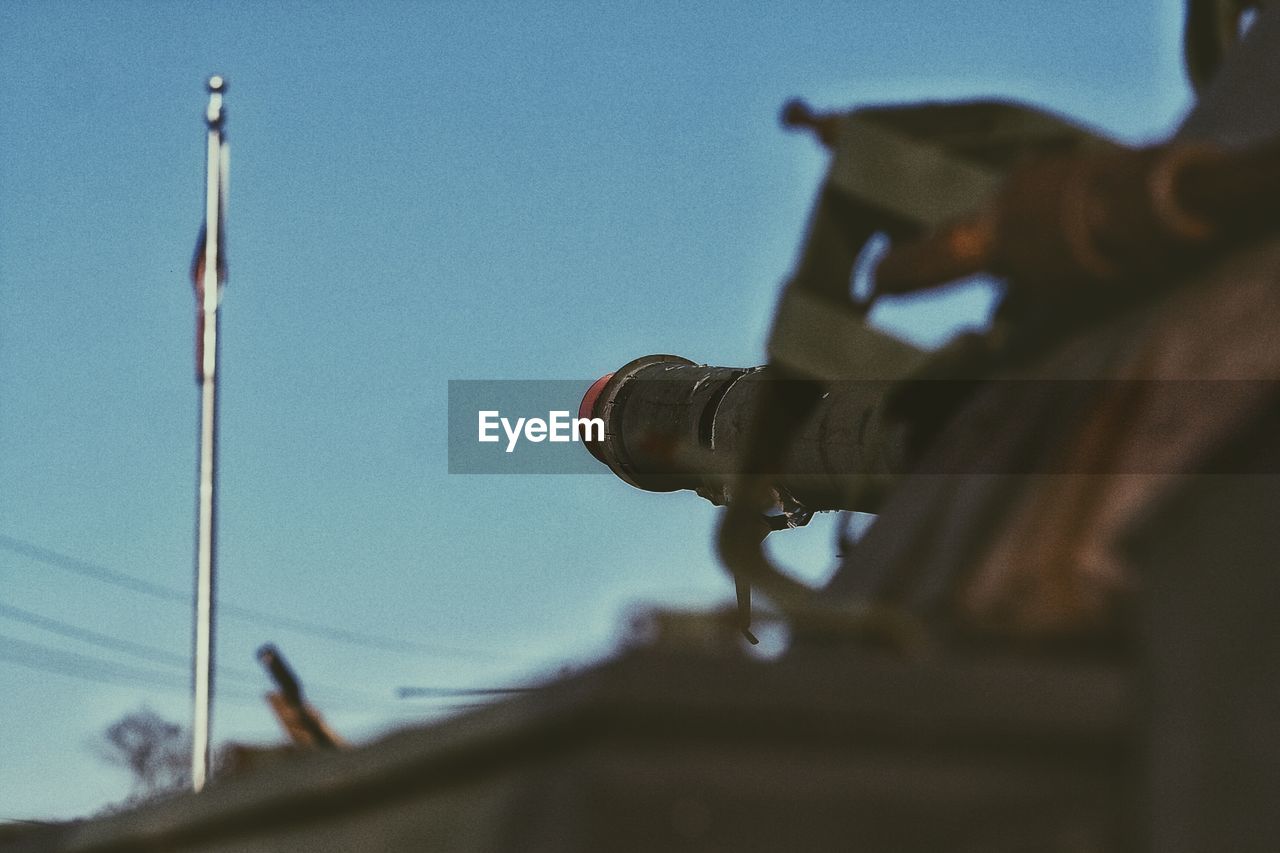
74	632
165	593
456	692
90	570
157	655
106	641
90	668
85	667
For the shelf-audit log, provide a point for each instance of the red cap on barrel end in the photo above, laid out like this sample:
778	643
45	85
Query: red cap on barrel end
588	407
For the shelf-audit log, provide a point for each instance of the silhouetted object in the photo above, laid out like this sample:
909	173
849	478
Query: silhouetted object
798	115
301	722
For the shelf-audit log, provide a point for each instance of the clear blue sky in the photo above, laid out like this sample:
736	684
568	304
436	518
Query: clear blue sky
419	192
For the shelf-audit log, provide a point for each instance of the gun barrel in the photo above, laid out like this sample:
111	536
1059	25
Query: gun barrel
671	424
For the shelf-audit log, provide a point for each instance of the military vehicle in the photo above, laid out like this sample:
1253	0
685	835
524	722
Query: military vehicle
1056	636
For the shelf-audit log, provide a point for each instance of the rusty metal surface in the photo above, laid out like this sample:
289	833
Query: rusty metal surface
1137	448
1037	554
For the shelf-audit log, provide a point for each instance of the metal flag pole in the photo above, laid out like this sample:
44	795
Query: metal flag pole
209	275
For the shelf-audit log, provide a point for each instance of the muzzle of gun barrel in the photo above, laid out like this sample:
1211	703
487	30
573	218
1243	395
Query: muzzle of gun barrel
671	424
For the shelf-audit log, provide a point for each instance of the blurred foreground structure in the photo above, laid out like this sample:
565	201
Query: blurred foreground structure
664	749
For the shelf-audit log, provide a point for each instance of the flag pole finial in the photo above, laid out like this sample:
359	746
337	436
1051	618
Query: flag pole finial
217	88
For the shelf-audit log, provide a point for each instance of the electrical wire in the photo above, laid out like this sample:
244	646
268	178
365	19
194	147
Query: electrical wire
172	659
455	692
74	632
34	656
105	641
88	668
125	581
352	700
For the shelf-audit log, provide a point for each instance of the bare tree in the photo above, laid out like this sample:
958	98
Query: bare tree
155	751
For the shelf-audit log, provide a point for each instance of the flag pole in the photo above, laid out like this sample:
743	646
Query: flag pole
209	274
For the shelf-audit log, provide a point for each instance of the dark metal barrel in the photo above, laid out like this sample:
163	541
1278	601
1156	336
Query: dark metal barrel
670	424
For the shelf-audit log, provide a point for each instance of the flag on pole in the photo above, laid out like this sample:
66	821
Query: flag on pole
197	281
197	262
